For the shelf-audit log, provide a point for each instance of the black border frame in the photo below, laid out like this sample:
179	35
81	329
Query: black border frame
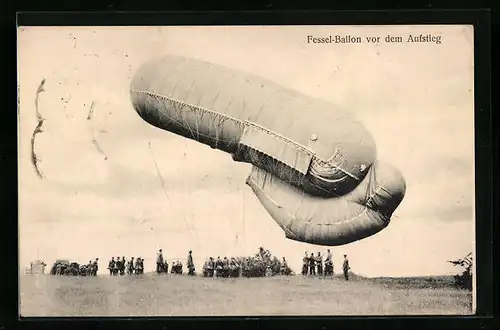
484	146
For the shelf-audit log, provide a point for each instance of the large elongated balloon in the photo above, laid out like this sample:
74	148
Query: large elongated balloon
310	160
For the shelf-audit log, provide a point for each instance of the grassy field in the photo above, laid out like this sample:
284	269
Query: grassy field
153	295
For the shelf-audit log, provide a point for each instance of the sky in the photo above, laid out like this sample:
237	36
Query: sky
415	99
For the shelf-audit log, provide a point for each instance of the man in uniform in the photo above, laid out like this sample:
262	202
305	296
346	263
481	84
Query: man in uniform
225	267
111	266
219	265
117	266
190	263
122	266
89	268
179	267
312	265
283	267
346	267
165	266
206	271
137	266
130	266
234	268
319	263
328	263
141	265
95	267
211	267
305	263
159	262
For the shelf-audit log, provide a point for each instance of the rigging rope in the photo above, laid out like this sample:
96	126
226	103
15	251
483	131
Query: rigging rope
164	188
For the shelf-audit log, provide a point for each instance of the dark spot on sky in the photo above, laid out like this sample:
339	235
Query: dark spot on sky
126	55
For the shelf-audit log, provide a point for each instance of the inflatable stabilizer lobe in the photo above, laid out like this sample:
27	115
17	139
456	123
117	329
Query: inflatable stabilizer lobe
331	221
303	141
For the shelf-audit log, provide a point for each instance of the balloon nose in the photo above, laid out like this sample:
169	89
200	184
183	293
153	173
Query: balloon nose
388	191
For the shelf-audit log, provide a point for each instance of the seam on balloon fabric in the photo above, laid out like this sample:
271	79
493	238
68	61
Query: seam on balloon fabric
294	144
315	158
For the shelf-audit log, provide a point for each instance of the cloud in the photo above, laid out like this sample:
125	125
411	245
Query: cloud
451	213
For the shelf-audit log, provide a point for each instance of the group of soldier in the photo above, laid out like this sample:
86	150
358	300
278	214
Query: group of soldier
221	267
259	265
162	264
120	266
313	265
92	267
225	267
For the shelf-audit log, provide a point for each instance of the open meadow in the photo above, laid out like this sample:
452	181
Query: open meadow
171	295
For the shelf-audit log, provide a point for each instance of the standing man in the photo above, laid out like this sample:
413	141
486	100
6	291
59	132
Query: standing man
117	266
141	265
159	262
89	268
346	267
312	265
219	265
225	267
284	267
111	266
190	263
305	262
328	264
130	268
319	263
95	267
137	266
122	266
211	267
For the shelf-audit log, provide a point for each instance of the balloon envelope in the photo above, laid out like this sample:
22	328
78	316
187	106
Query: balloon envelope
314	167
